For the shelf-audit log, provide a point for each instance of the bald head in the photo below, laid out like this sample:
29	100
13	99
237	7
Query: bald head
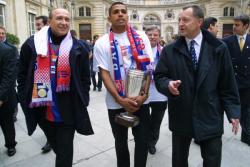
59	21
56	10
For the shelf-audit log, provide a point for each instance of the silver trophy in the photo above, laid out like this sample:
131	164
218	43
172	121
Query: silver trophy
135	83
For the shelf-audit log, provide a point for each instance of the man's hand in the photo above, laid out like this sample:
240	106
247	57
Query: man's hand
173	87
235	124
1	103
129	104
140	99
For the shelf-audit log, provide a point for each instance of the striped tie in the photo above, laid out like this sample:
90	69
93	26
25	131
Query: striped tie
193	54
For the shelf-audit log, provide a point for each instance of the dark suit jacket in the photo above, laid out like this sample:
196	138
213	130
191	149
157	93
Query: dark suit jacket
240	60
76	112
204	94
7	77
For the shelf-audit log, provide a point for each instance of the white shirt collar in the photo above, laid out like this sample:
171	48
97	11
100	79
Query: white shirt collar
197	39
244	36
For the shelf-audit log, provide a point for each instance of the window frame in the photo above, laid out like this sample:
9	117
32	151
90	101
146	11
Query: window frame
32	27
2	7
86	11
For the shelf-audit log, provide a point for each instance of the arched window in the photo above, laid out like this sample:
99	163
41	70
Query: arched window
85	11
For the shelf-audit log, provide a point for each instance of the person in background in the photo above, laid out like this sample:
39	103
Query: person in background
162	43
5	41
73	33
157	101
8	98
53	85
40	22
97	85
210	24
239	48
195	72
116	52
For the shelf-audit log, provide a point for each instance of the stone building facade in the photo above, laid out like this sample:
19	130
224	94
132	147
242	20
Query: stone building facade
89	17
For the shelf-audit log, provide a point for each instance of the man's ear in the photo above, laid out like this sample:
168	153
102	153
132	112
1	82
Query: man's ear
247	26
210	27
201	21
109	18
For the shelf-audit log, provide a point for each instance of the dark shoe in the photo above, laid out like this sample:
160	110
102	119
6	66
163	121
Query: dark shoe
152	150
46	148
94	89
99	89
11	151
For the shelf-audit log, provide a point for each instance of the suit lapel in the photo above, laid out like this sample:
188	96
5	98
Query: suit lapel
181	47
236	44
247	44
204	62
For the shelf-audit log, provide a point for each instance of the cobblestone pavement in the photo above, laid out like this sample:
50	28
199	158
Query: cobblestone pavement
98	150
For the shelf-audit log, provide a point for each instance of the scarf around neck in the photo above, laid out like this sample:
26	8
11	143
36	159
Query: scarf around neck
42	92
142	60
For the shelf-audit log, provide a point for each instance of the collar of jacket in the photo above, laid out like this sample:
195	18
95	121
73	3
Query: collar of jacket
181	45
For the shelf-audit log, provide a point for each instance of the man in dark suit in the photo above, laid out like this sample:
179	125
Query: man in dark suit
239	48
196	74
8	99
4	40
210	24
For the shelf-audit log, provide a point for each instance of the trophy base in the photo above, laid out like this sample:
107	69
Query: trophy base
127	120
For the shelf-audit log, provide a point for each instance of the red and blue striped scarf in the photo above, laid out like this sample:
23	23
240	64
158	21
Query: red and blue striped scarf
137	47
42	93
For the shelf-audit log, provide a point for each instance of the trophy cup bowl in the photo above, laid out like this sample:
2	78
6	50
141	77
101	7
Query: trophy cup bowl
134	84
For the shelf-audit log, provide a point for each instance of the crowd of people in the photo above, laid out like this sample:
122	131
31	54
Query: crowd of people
196	76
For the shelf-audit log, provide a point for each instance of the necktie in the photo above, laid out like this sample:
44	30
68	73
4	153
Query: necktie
242	42
193	54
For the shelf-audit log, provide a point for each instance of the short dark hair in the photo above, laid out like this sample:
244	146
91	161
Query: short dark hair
209	21
153	27
243	18
115	3
95	36
73	33
44	19
197	11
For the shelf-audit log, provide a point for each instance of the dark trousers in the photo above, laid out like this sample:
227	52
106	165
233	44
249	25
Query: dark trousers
245	114
60	137
8	128
156	116
92	73
140	133
99	83
210	151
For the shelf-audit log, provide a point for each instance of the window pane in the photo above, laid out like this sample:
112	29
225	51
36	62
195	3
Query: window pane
32	23
1	9
231	11
81	11
2	16
88	11
225	11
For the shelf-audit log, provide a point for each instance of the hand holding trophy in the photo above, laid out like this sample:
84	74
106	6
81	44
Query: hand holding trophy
134	86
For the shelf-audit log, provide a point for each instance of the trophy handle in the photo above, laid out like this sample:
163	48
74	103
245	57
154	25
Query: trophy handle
146	82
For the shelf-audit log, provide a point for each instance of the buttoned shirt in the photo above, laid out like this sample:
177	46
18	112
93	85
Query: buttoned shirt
197	44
